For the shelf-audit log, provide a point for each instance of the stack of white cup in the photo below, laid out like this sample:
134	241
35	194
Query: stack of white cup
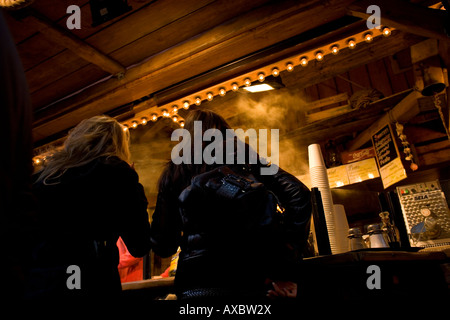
341	229
319	179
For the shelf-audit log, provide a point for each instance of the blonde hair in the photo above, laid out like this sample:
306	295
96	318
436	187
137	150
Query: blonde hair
99	136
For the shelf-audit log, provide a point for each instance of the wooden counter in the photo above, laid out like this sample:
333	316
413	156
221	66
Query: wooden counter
150	289
149	283
403	277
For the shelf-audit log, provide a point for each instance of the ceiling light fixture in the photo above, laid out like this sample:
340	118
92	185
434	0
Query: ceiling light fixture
270	83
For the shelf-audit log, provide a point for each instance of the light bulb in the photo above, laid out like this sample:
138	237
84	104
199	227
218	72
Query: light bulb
144	120
304	61
234	86
319	55
134	124
174	108
275	72
289	67
37	161
186	104
247	82
198	100
165	113
222	91
334	49
181	122
386	32
351	43
209	96
261	77
154	117
125	127
368	37
175	118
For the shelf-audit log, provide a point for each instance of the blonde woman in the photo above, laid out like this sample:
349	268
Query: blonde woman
88	196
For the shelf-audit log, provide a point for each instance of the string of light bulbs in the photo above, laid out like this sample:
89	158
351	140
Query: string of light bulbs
170	110
319	54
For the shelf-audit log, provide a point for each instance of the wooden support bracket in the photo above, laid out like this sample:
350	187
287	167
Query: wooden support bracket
67	40
402	112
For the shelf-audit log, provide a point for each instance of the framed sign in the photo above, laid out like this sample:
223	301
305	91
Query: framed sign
387	155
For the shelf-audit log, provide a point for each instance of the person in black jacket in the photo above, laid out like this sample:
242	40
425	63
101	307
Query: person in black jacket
88	195
222	266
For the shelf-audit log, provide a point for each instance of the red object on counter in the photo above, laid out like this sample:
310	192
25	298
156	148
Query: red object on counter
130	268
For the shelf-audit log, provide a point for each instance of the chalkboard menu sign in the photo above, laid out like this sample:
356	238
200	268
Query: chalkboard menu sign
389	162
384	145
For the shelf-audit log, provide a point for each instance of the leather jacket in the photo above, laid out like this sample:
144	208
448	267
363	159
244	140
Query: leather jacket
230	263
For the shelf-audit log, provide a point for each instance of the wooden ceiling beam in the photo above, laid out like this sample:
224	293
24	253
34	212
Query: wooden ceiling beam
64	38
406	16
348	59
243	35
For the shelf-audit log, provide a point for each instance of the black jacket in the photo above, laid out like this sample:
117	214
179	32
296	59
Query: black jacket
227	263
82	217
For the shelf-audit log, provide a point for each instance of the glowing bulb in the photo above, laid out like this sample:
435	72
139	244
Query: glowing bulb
368	37
37	161
165	113
247	82
222	91
289	67
181	122
144	120
386	32
186	104
261	77
154	117
275	72
371	175
334	49
304	61
351	43
125	127
134	124
175	118
319	55
234	86
209	96
198	100
174	108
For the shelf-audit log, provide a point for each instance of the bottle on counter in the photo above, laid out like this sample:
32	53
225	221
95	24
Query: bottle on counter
390	231
376	236
355	239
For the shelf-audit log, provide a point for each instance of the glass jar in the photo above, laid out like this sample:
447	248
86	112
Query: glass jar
355	239
376	236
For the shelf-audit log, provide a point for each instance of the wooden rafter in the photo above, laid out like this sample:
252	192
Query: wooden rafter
64	38
405	16
247	33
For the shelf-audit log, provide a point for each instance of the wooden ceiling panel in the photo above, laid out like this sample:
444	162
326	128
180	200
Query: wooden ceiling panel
36	50
53	70
66	86
146	20
199	21
56	10
166	45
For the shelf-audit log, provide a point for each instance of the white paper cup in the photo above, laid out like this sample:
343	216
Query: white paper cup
315	156
341	228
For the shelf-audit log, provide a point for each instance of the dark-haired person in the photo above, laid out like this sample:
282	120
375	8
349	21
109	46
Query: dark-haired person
213	263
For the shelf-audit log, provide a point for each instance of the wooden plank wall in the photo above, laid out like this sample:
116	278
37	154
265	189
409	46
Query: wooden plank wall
383	75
